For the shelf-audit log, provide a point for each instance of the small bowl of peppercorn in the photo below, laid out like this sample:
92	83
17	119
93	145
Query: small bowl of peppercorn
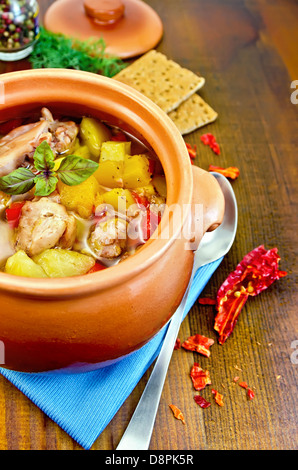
19	28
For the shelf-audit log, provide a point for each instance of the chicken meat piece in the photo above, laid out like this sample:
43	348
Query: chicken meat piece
18	144
22	141
61	134
108	239
44	224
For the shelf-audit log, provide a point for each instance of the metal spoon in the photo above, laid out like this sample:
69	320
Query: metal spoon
213	246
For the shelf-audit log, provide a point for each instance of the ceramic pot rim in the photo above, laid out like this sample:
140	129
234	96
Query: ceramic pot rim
167	141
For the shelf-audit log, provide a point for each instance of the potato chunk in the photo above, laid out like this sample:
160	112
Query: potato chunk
136	171
94	133
20	264
114	151
79	198
64	263
109	174
120	199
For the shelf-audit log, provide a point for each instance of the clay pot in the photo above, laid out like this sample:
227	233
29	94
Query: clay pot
91	320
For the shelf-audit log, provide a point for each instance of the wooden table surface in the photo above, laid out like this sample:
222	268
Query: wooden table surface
247	51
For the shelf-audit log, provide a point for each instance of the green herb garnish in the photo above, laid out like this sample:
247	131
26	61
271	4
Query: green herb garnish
54	50
73	170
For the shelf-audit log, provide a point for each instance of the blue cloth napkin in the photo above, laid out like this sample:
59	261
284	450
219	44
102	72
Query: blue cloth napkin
83	404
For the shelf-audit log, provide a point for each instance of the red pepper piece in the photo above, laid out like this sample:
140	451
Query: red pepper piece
141	201
13	214
200	378
150	223
231	172
218	397
207	301
151	168
255	273
198	343
177	344
97	267
201	401
177	413
250	394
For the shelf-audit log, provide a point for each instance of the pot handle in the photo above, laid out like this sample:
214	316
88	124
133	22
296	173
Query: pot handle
208	205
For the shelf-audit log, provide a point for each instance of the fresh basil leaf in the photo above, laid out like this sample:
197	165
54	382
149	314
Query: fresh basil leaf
18	181
45	185
44	157
74	170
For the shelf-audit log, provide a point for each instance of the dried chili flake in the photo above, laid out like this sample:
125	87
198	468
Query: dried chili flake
192	150
243	384
198	343
177	344
201	401
235	379
250	394
209	139
207	301
200	378
255	273
218	397
177	413
231	172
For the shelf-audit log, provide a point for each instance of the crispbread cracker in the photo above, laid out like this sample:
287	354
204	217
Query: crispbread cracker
192	114
160	79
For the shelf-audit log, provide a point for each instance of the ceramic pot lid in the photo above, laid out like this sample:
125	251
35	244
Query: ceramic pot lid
128	27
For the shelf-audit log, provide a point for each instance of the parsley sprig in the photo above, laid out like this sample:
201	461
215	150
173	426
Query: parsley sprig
73	170
54	50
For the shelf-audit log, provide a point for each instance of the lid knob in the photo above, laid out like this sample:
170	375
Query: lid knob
104	11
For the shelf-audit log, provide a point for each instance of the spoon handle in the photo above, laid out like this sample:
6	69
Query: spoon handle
138	433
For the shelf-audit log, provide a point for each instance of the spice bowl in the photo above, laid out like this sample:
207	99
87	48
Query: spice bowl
85	322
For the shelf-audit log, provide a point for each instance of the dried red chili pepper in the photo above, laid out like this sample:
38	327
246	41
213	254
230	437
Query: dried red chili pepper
207	301
198	343
231	172
209	139
218	397
177	413
177	344
243	384
192	150
200	378
255	273
250	394
201	401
